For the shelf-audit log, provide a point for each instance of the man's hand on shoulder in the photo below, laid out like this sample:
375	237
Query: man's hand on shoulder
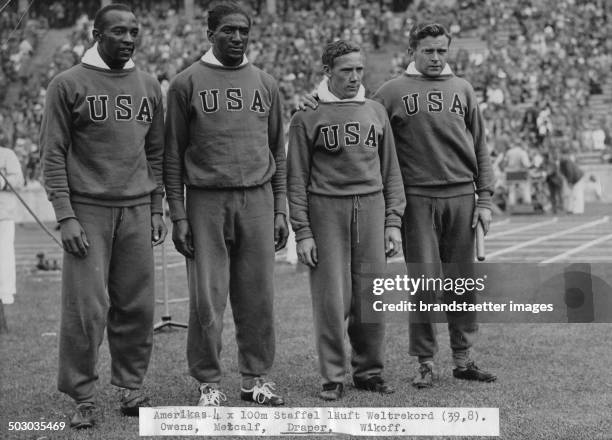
308	100
74	238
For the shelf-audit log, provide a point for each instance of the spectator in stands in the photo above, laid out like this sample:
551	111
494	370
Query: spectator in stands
598	135
540	49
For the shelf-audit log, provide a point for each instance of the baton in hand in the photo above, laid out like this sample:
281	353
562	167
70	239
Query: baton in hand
480	246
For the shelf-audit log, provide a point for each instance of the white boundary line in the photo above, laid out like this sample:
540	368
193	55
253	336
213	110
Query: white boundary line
171	265
499	223
489	237
579	249
522	228
547	237
596	259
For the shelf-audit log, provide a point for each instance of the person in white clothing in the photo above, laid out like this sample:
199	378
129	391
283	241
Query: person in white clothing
517	159
574	176
13	177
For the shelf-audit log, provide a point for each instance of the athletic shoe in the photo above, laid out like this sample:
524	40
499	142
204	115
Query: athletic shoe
375	384
262	393
83	417
332	391
424	377
210	395
472	372
131	400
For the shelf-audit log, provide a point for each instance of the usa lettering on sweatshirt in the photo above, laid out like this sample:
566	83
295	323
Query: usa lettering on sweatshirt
342	149
439	135
102	139
224	130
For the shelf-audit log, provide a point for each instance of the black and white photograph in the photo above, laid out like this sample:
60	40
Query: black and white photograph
305	218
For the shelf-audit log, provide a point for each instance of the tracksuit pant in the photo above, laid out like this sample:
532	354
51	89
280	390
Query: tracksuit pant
112	288
438	230
349	233
233	237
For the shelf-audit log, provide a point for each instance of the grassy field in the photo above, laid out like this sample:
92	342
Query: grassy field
554	380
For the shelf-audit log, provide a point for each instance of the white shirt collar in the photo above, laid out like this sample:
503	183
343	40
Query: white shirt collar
411	70
93	58
210	58
326	96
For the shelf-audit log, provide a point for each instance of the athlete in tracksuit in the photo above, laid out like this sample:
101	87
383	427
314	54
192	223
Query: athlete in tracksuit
346	200
440	139
102	147
225	143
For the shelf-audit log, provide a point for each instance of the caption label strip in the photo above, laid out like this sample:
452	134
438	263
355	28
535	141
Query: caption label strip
249	421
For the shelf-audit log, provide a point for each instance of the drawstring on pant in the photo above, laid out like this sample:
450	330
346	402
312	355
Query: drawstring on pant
117	224
433	215
356	206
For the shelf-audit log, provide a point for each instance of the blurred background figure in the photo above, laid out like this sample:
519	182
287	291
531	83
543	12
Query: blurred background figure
574	177
554	180
11	176
592	188
516	166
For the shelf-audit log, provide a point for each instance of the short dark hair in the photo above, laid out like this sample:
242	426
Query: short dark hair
421	31
99	21
216	14
337	49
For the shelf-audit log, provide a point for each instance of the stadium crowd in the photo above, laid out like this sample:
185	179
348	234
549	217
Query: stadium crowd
19	119
541	62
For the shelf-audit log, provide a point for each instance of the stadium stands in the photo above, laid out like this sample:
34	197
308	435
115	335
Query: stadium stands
539	66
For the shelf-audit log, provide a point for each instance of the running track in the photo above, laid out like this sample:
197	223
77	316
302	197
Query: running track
537	239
